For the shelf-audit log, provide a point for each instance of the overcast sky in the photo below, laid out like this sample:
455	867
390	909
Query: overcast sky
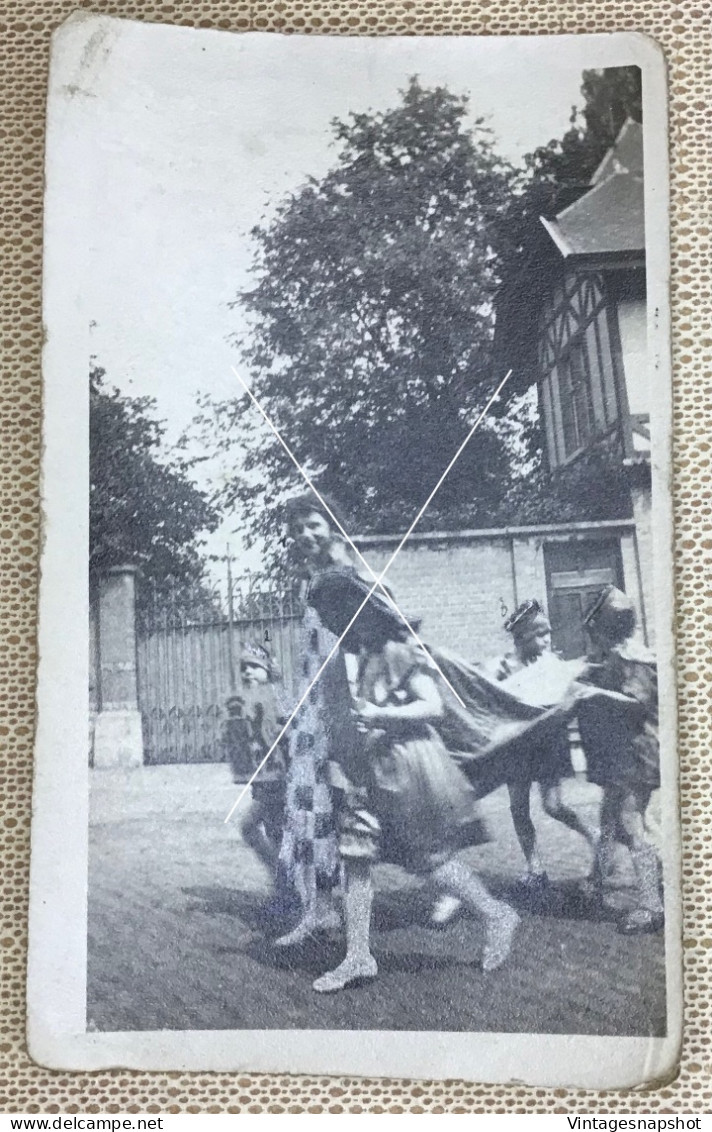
201	133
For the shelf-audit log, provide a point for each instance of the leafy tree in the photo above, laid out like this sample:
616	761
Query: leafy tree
609	97
591	488
143	511
556	174
371	325
372	318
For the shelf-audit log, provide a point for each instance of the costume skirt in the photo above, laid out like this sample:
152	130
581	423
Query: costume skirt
409	805
309	849
618	754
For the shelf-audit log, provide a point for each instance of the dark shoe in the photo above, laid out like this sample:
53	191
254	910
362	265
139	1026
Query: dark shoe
534	883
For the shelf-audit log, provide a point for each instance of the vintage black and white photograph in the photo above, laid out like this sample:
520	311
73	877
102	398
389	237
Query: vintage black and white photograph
357	541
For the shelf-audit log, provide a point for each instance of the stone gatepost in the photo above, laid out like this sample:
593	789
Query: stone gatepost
118	735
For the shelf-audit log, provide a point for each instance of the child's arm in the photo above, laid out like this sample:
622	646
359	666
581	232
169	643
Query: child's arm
635	689
428	705
617	700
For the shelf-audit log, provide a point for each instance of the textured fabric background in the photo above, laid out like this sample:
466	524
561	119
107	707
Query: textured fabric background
682	28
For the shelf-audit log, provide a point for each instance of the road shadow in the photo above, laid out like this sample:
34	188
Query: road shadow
403	909
318	955
420	962
271	916
391	910
557	900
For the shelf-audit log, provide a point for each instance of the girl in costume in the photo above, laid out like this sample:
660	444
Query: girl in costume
514	731
403	799
261	716
535	673
309	852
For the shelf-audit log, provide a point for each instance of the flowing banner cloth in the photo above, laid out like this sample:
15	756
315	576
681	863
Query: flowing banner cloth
502	732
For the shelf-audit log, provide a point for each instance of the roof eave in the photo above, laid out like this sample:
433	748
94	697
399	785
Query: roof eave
595	177
557	236
608	261
624	257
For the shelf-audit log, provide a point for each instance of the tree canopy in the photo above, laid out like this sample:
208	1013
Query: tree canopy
371	317
610	96
371	323
143	511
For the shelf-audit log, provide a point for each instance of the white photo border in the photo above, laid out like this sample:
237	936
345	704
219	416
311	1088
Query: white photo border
57	1034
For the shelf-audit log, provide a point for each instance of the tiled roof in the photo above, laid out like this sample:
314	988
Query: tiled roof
610	217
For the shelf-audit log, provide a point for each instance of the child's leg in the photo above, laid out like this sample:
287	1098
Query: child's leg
318	915
358	900
519	804
324	912
358	962
318	911
645	861
604	846
252	828
501	920
555	807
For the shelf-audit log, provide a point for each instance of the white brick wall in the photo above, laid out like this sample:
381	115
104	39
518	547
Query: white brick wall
457	589
461	585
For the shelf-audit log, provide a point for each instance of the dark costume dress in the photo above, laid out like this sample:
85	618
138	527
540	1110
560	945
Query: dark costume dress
620	741
404	800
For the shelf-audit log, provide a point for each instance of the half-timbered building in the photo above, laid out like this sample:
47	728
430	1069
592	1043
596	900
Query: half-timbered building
572	319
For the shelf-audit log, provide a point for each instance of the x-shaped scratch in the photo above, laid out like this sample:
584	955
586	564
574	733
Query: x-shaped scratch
378	582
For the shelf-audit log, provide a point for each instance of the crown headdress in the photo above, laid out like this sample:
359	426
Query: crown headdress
524	611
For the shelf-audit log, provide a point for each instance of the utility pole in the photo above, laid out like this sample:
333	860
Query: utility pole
230	623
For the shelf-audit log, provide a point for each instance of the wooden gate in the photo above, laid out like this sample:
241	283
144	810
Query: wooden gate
188	665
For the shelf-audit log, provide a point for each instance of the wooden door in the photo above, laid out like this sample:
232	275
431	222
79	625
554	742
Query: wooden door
575	572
